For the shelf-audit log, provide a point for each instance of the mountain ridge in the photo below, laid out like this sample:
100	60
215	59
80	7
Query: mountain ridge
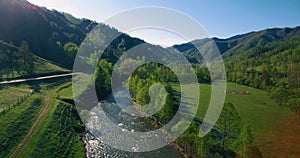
235	45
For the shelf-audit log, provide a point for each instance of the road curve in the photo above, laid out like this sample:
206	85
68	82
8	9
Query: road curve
39	78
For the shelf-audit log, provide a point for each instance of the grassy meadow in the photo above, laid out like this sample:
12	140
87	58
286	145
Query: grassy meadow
9	95
256	109
59	133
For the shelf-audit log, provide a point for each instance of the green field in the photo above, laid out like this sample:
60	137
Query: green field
260	112
256	109
9	95
66	92
17	121
41	66
45	66
59	133
62	136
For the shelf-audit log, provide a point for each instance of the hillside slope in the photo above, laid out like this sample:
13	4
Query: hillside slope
12	63
49	33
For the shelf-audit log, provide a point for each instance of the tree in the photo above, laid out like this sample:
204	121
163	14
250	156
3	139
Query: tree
133	81
26	55
5	62
229	126
142	96
280	94
294	70
294	100
202	74
71	49
244	142
103	79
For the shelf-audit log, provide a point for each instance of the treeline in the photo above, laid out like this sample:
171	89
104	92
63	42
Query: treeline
143	77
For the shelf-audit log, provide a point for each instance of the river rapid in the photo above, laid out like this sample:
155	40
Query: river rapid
95	148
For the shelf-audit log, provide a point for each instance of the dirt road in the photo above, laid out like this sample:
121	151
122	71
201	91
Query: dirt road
35	126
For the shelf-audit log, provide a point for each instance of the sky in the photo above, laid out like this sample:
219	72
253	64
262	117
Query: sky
220	18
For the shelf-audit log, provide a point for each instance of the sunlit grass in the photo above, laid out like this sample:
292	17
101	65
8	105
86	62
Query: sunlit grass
10	94
256	109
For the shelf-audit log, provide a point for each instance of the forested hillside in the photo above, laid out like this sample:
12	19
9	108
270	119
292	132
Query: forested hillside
267	59
52	35
240	43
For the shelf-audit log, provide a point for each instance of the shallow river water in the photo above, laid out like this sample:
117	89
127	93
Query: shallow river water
96	148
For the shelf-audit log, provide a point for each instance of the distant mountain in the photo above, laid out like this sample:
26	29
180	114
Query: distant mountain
236	45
